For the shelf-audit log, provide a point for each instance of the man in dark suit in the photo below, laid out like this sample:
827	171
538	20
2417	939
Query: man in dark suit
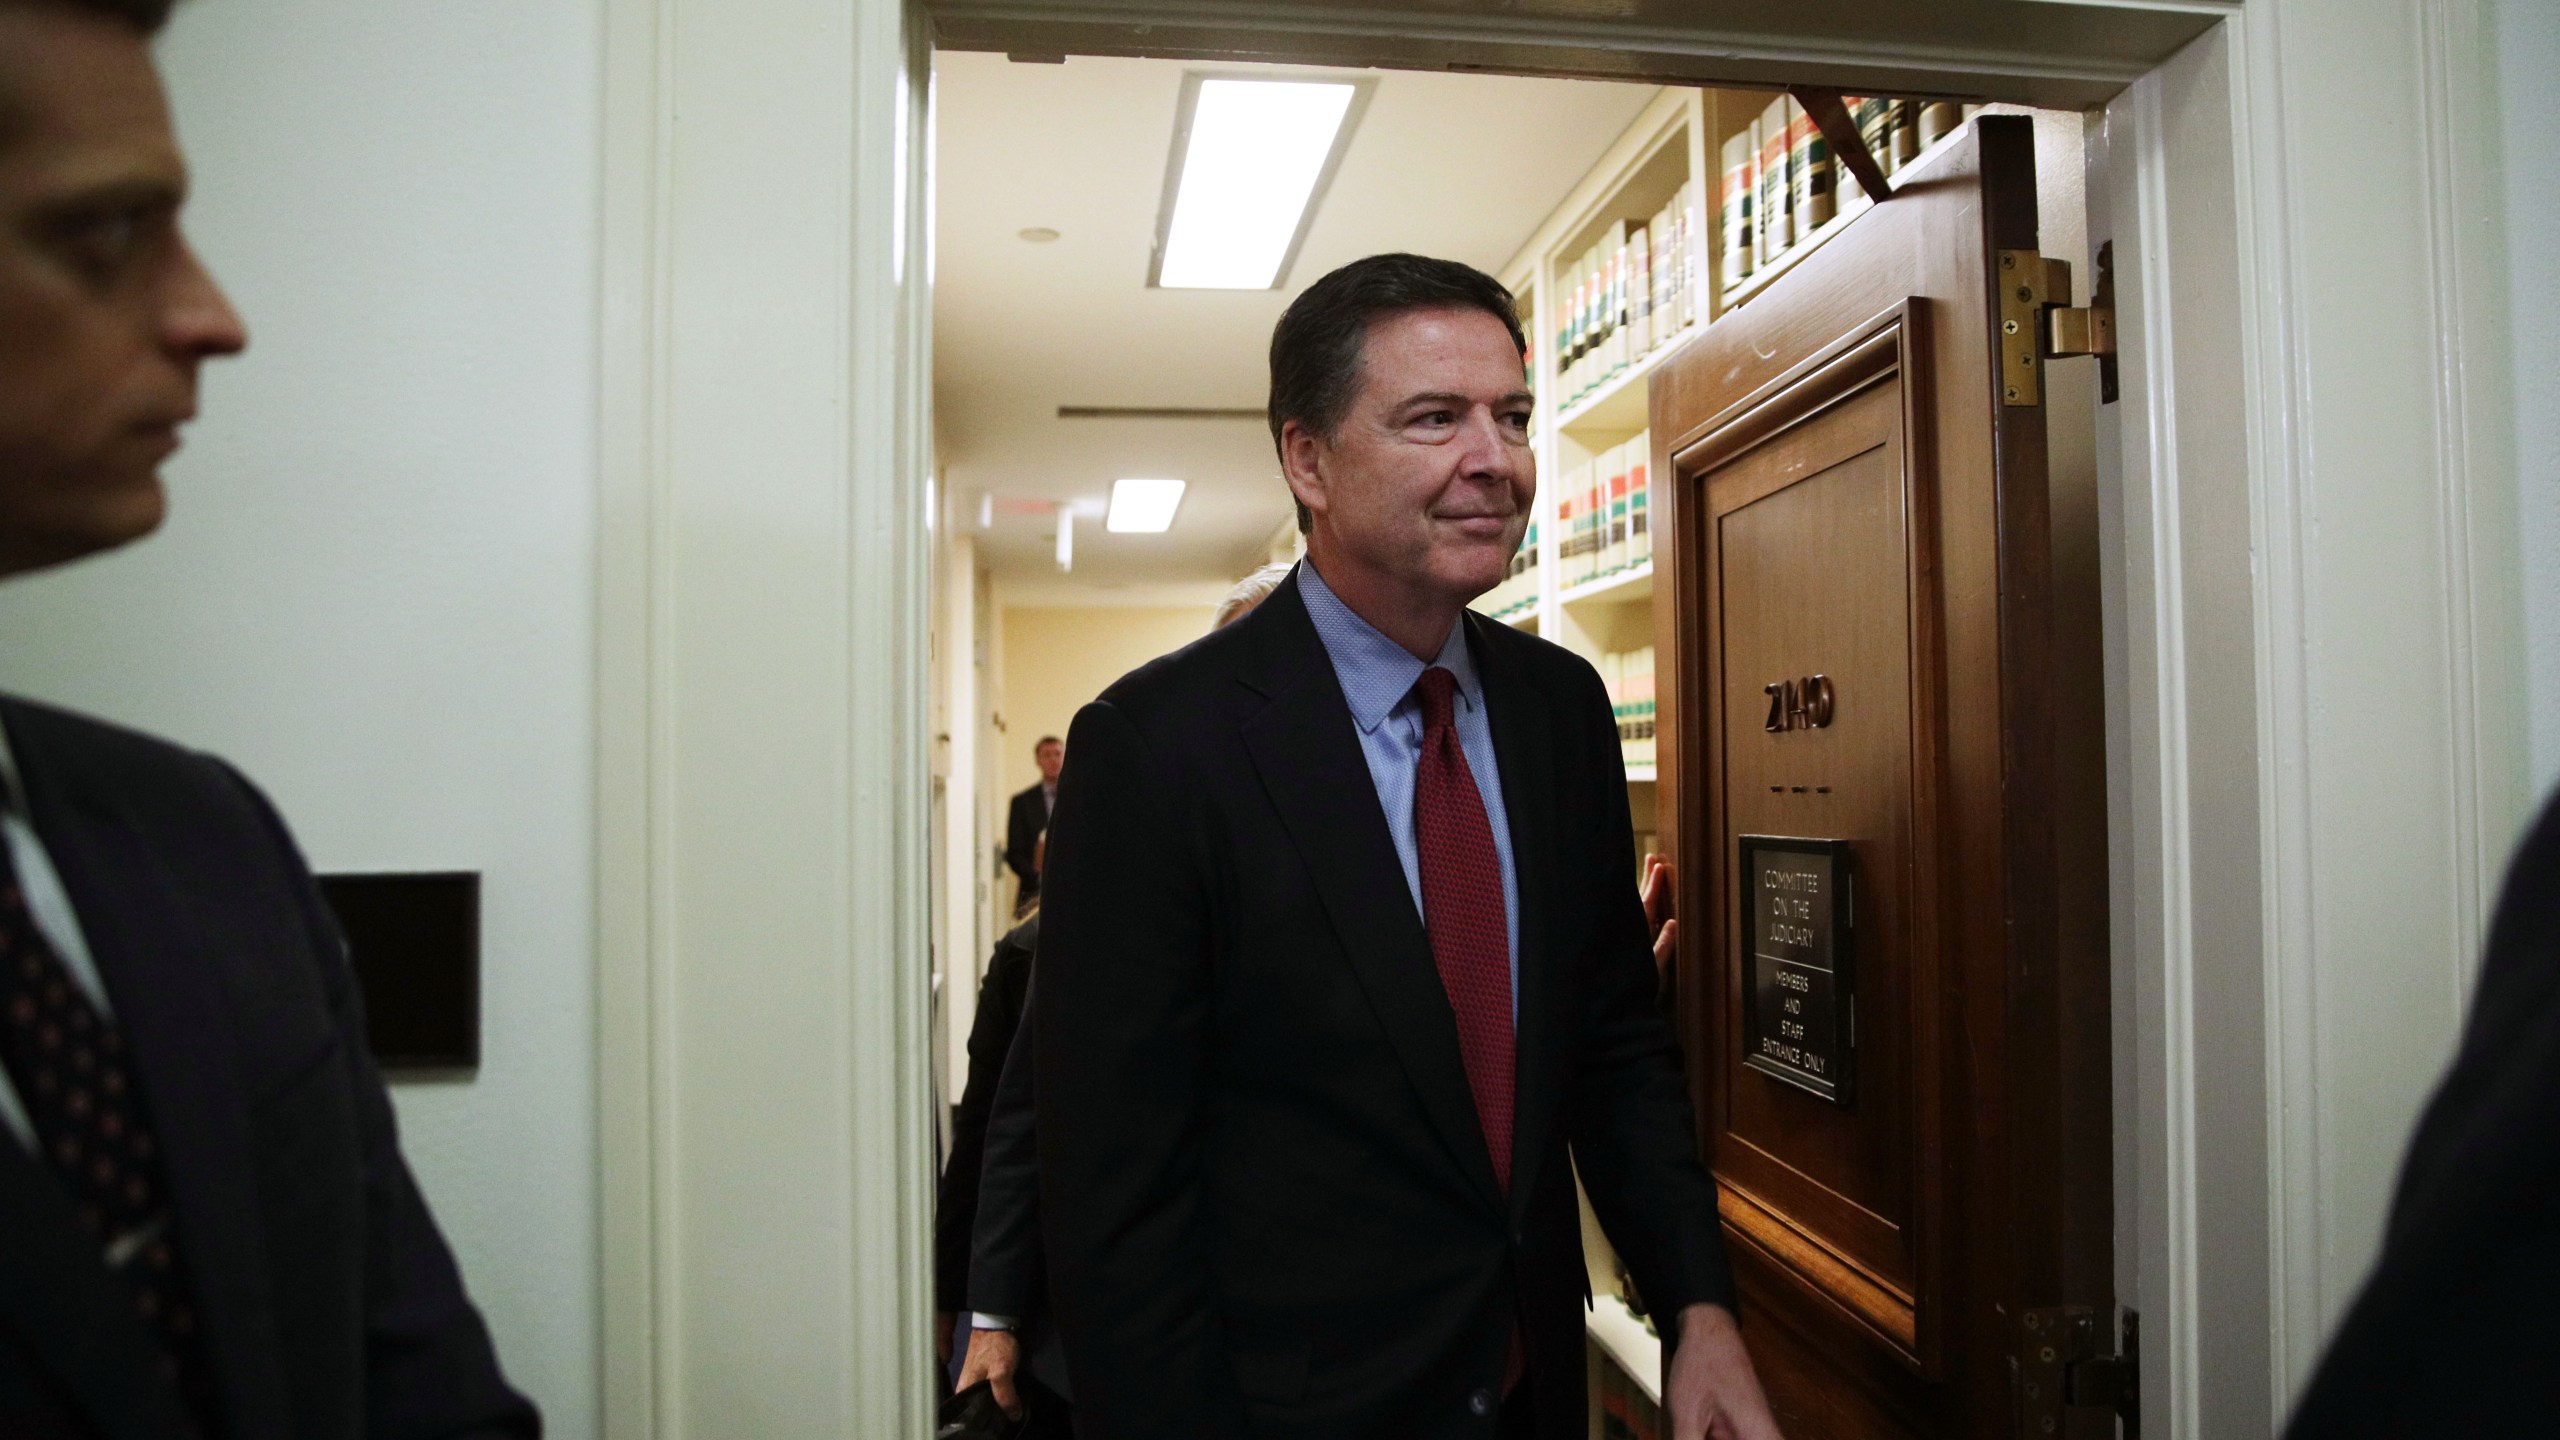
1001	998
1029	822
206	1228
1340	960
1002	1271
2453	1333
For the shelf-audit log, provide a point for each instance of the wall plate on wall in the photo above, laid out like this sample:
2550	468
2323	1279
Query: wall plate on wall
415	942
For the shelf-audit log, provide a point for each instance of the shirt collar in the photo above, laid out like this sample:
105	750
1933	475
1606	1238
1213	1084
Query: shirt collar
1377	674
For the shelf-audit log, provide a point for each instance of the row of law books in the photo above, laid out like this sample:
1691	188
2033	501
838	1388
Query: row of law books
1604	513
1517	594
1628	677
1782	183
1632	292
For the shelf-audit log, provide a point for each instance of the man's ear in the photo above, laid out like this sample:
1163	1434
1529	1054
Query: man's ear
1302	457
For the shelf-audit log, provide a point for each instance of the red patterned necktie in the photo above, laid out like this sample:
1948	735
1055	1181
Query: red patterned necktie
68	1064
1463	912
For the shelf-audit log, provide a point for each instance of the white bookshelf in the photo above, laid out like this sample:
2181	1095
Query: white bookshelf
1632	586
1664	148
1626	1341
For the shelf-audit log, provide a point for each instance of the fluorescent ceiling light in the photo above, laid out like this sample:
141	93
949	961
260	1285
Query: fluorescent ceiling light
1250	158
1143	507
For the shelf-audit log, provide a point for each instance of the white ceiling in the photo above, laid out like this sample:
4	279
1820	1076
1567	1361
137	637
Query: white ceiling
1458	165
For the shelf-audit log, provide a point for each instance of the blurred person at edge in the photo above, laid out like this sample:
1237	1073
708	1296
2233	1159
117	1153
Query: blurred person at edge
206	1228
2452	1333
1308	1069
986	1240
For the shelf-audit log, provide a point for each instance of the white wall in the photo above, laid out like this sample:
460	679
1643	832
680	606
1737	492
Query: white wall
2527	37
375	589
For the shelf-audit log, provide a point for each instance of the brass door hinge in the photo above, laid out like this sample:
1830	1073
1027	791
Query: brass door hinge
2061	1366
2038	322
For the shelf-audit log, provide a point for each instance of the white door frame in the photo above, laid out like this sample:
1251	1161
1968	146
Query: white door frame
762	767
2317	742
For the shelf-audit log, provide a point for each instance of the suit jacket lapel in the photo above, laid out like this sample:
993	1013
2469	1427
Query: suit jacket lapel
1306	750
168	997
1524	750
70	1313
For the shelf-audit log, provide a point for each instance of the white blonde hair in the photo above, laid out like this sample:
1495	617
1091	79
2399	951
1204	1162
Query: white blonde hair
1250	591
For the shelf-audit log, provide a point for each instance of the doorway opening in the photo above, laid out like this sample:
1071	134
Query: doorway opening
1612	211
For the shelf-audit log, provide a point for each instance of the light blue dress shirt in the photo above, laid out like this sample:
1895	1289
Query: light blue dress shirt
1378	676
50	905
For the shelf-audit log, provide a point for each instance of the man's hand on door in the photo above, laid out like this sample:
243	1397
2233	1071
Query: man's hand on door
1659	882
1712	1392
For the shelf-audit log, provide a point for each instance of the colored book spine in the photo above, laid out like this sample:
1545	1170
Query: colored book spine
1560	325
1808	172
1595	516
1648	750
1693	256
1605	322
1775	229
1639	289
1527	598
1640	499
1739	164
1875	127
1614	531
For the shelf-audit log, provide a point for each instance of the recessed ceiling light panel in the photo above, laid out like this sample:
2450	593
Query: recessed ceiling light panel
1251	156
1143	507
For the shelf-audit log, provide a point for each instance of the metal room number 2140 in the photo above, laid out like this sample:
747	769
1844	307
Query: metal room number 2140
1803	704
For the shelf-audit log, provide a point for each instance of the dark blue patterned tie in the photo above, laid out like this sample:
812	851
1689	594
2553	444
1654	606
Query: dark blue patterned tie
68	1064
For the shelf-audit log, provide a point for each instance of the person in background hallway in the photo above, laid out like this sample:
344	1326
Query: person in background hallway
1002	1267
206	1228
1001	997
1339	956
1028	823
2454	1331
1249	593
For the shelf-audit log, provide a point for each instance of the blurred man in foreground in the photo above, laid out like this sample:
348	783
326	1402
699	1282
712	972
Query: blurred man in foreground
206	1228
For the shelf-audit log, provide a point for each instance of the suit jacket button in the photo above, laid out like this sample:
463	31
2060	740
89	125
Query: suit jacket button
1481	1402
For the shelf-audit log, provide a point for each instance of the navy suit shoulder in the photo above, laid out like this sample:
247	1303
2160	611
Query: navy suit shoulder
330	1304
140	776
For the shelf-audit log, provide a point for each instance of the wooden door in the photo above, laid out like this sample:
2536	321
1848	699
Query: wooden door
1894	1008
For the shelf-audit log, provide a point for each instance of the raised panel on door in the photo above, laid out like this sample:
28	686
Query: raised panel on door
1806	551
1856	511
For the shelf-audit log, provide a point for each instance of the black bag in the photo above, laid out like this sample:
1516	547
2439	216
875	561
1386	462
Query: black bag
973	1414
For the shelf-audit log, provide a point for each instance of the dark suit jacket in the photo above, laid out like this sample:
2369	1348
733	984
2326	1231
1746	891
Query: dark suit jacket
329	1303
1269	1205
2452	1334
1007	1267
1000	998
1022	827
